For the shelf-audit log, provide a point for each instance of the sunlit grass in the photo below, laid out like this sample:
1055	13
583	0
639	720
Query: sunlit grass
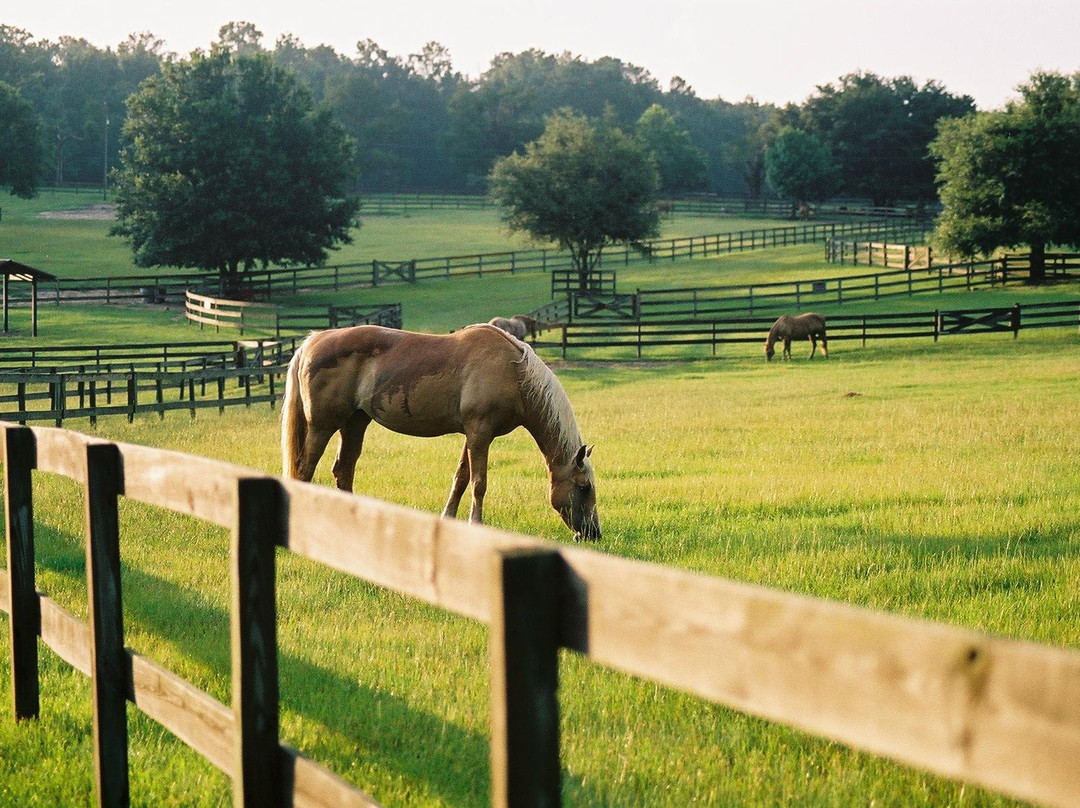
930	480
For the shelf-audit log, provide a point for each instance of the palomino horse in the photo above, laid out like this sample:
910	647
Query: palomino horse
478	381
520	325
787	328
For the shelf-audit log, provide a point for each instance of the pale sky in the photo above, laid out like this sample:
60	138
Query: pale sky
770	50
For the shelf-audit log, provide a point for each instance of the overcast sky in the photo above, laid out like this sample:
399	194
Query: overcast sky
770	50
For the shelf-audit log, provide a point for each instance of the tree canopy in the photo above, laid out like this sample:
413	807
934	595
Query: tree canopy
229	165
20	143
1012	177
581	184
879	130
800	167
680	163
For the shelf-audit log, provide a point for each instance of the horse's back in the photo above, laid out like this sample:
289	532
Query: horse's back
414	383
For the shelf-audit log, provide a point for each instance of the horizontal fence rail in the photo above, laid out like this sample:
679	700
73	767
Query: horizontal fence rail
641	335
996	712
268	318
714	301
266	284
60	383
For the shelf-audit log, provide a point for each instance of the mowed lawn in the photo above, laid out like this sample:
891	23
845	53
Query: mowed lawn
935	480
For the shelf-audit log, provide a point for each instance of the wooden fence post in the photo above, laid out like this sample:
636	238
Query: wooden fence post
20	456
261	525
109	665
523	644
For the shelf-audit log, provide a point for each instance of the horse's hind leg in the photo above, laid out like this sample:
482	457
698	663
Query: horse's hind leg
458	485
352	443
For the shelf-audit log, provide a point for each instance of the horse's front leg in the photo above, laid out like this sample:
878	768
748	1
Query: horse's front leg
352	443
457	485
813	345
478	463
787	348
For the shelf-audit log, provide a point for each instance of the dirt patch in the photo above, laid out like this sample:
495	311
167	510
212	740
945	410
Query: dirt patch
102	211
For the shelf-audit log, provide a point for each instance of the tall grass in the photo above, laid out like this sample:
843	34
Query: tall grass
932	480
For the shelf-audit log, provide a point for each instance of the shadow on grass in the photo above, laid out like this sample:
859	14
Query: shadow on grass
361	728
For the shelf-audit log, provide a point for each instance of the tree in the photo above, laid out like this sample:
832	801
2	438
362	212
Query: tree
1012	177
681	164
21	150
228	165
799	166
581	184
879	129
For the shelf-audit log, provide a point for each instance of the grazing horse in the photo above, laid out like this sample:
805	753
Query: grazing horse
786	328
478	381
520	325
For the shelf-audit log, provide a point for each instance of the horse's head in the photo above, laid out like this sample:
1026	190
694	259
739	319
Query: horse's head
573	495
769	350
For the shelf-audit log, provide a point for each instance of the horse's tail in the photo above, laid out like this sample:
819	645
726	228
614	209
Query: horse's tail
293	419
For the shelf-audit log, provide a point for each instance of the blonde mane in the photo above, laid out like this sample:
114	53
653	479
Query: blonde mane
544	395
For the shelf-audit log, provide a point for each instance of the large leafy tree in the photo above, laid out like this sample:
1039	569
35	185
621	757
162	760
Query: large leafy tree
228	165
800	167
1011	177
21	151
581	184
680	163
879	129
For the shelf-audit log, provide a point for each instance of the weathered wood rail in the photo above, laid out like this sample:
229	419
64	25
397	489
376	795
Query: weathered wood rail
1000	713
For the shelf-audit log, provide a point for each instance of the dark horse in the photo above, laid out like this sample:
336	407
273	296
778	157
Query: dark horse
478	381
787	328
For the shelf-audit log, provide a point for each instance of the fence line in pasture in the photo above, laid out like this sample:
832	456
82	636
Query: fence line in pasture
397	202
267	283
269	318
712	332
982	709
715	301
907	256
82	382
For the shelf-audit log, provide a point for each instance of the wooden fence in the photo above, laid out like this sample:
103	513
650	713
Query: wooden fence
271	319
266	284
712	332
126	380
996	712
733	300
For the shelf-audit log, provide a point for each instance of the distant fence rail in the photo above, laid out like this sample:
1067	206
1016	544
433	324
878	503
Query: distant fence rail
712	332
908	256
256	285
996	712
60	383
268	318
724	300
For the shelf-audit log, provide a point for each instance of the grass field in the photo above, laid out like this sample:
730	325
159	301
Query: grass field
935	480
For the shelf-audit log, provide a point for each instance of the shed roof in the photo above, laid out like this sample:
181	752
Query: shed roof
21	272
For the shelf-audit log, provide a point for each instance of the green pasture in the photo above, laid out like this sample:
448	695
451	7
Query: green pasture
31	233
936	480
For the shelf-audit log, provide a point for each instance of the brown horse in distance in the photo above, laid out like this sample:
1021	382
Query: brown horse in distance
478	381
806	326
520	325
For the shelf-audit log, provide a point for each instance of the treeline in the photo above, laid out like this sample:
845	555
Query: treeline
421	125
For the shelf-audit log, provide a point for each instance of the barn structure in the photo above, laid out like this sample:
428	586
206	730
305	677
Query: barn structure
14	271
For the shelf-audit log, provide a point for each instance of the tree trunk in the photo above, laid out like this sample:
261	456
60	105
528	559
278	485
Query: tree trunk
1038	263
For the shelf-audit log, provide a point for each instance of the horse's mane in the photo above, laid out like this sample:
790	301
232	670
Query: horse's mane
544	395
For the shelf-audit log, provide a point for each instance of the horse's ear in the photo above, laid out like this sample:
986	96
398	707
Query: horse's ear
582	453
